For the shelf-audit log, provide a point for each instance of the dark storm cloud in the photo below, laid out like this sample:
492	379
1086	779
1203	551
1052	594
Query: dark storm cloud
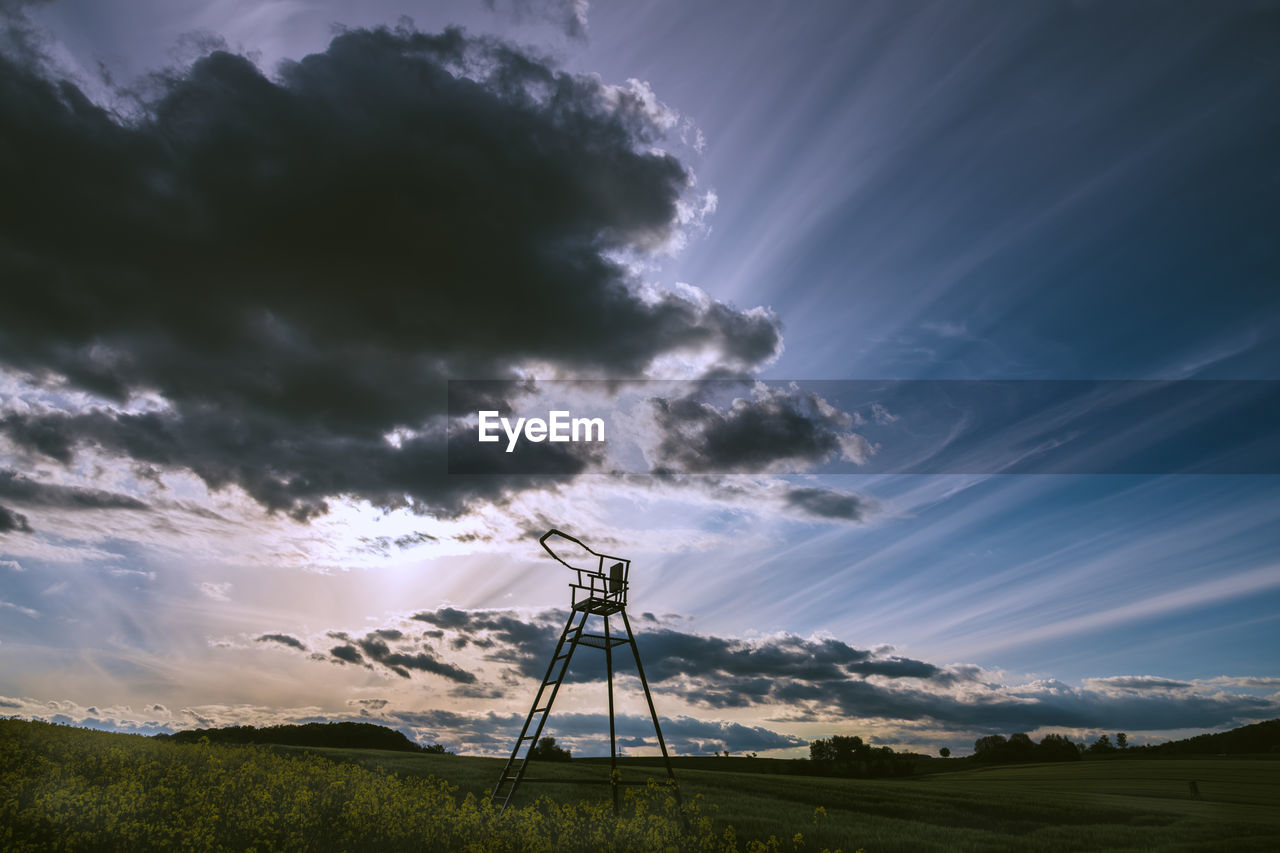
807	502
526	640
502	625
284	640
24	490
670	654
770	430
507	636
346	653
897	667
284	465
1032	706
296	264
774	426
13	521
400	661
828	503
375	649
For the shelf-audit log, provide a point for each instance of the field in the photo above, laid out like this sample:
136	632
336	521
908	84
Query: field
1086	805
73	789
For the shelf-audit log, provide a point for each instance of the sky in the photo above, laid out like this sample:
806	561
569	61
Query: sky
937	347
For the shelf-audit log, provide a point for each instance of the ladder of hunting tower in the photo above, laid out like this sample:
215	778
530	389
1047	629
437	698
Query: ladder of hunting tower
513	773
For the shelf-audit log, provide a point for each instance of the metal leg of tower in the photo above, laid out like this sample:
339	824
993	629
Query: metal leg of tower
653	712
613	738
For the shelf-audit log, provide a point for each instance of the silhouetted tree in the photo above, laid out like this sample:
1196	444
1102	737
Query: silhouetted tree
843	755
1021	747
1122	740
546	750
849	748
1101	745
991	748
1057	748
995	749
945	752
839	749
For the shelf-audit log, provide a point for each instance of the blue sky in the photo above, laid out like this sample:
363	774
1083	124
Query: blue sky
848	191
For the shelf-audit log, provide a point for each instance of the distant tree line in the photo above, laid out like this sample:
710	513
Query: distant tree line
1246	740
1104	746
842	755
1019	747
337	735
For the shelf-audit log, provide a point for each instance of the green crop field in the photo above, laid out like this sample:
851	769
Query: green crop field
71	789
1141	804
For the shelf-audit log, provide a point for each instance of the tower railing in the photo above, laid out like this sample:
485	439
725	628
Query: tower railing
597	590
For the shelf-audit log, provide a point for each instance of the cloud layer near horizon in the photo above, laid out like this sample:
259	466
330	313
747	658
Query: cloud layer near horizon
711	690
814	679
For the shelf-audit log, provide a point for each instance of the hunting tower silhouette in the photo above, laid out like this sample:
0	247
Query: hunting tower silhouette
599	590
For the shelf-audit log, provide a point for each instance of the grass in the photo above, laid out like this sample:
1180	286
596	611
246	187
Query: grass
1142	804
73	789
69	789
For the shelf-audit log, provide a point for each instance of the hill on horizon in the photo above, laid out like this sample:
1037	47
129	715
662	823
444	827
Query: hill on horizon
344	735
1246	740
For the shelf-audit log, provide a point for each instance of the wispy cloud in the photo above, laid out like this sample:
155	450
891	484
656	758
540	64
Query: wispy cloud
25	611
216	591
